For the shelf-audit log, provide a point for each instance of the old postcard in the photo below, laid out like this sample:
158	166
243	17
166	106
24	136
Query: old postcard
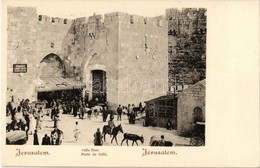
121	83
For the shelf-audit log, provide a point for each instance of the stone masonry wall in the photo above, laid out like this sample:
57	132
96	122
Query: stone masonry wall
73	43
124	45
187	101
143	70
21	49
50	35
187	45
92	41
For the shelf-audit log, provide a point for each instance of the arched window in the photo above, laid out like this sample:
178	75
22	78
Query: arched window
197	115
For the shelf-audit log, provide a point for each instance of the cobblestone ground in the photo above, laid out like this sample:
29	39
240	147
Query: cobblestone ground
88	128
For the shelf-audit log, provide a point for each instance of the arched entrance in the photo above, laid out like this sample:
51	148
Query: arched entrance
94	76
53	85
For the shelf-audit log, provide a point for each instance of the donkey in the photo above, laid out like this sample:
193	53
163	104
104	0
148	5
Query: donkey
132	137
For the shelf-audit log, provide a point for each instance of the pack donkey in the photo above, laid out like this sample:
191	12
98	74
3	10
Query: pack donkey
132	137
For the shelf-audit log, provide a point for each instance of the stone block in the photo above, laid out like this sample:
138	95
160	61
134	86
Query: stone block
151	21
135	19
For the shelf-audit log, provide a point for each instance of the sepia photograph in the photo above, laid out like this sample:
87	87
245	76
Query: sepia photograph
106	79
120	83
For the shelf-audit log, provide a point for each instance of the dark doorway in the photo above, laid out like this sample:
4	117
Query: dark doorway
99	86
197	115
63	95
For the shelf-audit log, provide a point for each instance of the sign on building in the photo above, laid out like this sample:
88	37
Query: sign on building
19	68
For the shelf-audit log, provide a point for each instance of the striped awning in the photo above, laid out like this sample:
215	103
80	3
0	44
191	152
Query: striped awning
57	83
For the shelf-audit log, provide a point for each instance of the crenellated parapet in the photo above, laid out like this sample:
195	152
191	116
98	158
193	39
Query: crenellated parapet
173	13
92	24
109	18
95	18
54	20
159	21
186	20
116	17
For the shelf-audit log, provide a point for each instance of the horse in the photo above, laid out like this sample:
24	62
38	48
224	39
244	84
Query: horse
56	137
132	137
107	130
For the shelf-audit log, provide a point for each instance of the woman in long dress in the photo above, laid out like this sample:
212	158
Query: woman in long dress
76	132
32	124
35	138
98	138
38	120
56	121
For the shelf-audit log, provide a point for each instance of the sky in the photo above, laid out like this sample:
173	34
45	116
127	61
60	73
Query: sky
83	8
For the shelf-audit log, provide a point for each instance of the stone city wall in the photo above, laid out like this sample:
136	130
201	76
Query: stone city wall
143	60
187	45
123	45
21	49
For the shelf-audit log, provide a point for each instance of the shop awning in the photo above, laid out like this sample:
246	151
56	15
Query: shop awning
57	83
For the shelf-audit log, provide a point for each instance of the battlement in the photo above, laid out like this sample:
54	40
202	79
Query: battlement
173	13
116	16
108	18
81	20
54	20
95	18
159	21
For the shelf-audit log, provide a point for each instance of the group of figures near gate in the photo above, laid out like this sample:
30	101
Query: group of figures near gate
110	128
81	107
113	130
25	120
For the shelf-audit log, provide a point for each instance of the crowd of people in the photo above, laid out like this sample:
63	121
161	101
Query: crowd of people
80	107
28	117
24	117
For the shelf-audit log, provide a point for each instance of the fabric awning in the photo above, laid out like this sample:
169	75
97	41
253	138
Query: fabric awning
58	83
